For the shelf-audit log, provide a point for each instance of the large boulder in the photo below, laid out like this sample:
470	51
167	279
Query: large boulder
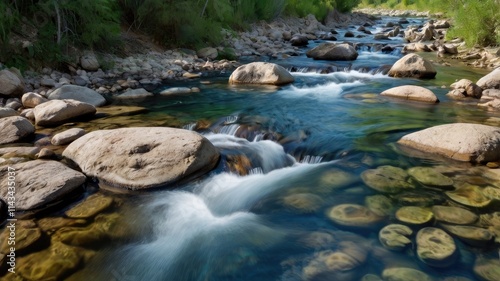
491	80
56	112
142	158
39	183
78	93
413	93
89	61
459	141
261	73
413	65
299	40
332	51
10	84
15	128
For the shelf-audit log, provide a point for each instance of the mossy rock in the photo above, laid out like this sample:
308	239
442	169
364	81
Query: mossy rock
303	202
404	274
474	236
454	215
429	176
91	206
414	215
52	224
380	205
419	198
318	240
435	247
353	215
395	237
469	195
334	178
487	269
27	236
387	179
492	193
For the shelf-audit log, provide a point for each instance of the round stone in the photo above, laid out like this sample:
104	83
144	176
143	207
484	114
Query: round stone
419	198
469	195
454	215
303	202
387	179
429	176
91	206
379	204
404	274
487	269
395	237
475	236
435	247
336	179
353	215
414	215
492	193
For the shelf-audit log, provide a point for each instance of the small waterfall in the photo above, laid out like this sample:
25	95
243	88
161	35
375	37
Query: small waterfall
229	129
189	127
308	159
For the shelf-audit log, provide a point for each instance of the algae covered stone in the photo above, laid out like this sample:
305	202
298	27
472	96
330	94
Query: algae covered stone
454	215
414	215
404	274
487	269
381	205
475	236
395	237
91	206
353	215
429	176
469	195
304	202
435	247
387	179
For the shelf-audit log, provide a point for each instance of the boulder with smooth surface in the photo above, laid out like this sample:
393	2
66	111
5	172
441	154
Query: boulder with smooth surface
142	158
490	80
15	128
67	136
134	94
413	65
10	84
459	141
413	93
261	73
333	51
56	112
79	93
31	100
435	247
7	112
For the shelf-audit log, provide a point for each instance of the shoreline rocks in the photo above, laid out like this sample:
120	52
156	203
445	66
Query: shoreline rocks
56	112
413	65
15	128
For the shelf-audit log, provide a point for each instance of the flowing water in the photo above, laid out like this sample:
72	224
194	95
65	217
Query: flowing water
313	137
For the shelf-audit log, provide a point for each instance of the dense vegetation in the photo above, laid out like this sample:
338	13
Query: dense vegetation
476	21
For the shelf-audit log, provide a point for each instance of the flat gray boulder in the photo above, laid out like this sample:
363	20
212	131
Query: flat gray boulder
10	84
261	73
67	136
412	93
78	93
142	158
459	141
39	183
333	51
15	128
490	80
135	94
7	112
413	65
55	112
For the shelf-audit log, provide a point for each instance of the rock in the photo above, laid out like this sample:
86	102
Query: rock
348	34
490	81
334	178
261	73
175	91
303	202
51	224
429	176
379	204
413	93
489	93
469	195
395	237
56	112
207	53
67	136
475	236
27	236
46	153
487	269
79	93
450	49
190	75
10	84
39	183
414	215
299	40
7	112
421	198
381	36
404	274
454	215
31	100
14	104
353	215
492	193
134	93
413	65
142	158
333	51
79	81
435	247
90	207
89	62
457	94
468	88
459	141
48	82
20	151
371	277
15	128
387	179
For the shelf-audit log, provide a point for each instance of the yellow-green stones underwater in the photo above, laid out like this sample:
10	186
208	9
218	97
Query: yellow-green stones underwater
419	198
381	205
492	193
429	176
91	206
454	215
475	236
395	237
469	195
303	202
414	215
26	238
404	274
334	179
353	215
387	179
435	247
51	224
487	269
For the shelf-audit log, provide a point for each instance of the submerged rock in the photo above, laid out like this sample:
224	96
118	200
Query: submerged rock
395	237
459	141
143	157
454	215
469	195
91	206
333	51
353	215
487	269
475	236
387	179
404	274
414	215
379	204
435	247
303	202
413	65
134	94
15	128
413	93
429	176
27	236
261	73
